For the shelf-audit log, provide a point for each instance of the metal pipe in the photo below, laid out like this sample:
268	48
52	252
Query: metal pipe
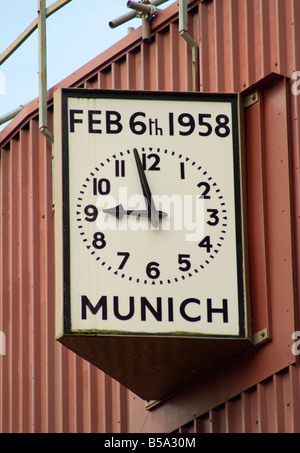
43	110
158	2
183	30
122	19
132	15
142	7
10	115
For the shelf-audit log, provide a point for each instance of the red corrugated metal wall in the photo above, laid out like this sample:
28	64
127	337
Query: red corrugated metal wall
44	387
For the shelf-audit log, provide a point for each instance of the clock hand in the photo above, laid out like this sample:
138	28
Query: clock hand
119	212
152	211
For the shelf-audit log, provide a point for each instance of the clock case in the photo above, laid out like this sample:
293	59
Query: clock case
151	366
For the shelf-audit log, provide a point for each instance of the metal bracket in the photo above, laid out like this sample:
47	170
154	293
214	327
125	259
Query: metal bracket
145	10
149	405
251	99
259	337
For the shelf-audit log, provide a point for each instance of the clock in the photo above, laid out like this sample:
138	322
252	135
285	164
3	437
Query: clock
152	217
174	244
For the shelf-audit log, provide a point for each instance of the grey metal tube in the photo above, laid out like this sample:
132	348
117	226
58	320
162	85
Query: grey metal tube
158	2
122	19
142	7
10	115
183	30
43	111
131	15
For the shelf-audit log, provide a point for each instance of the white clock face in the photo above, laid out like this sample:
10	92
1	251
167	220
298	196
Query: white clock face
178	271
113	218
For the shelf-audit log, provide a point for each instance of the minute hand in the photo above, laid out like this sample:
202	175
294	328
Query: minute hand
153	214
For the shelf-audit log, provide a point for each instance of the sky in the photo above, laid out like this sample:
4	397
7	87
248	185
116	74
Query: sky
76	34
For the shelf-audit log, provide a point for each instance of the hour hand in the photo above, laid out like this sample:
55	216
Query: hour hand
119	212
153	214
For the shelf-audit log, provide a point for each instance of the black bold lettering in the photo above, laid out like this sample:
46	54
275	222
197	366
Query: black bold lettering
74	120
93	121
155	129
183	307
116	309
145	303
102	303
113	122
223	310
170	309
136	126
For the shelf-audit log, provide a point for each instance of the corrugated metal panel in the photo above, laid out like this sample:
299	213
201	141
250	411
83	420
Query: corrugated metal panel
268	407
44	387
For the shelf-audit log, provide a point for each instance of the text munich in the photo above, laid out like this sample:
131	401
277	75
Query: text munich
159	309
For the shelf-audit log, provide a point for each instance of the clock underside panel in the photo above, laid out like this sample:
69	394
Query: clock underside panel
153	368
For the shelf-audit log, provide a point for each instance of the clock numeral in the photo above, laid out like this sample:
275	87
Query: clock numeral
205	191
152	270
91	213
186	120
155	165
171	123
214	216
182	170
205	243
101	186
208	126
99	241
222	129
185	264
124	260
120	168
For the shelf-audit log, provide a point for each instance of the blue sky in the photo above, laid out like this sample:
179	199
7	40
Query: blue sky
75	34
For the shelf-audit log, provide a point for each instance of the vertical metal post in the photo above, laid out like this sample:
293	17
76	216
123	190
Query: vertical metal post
43	121
146	27
183	30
